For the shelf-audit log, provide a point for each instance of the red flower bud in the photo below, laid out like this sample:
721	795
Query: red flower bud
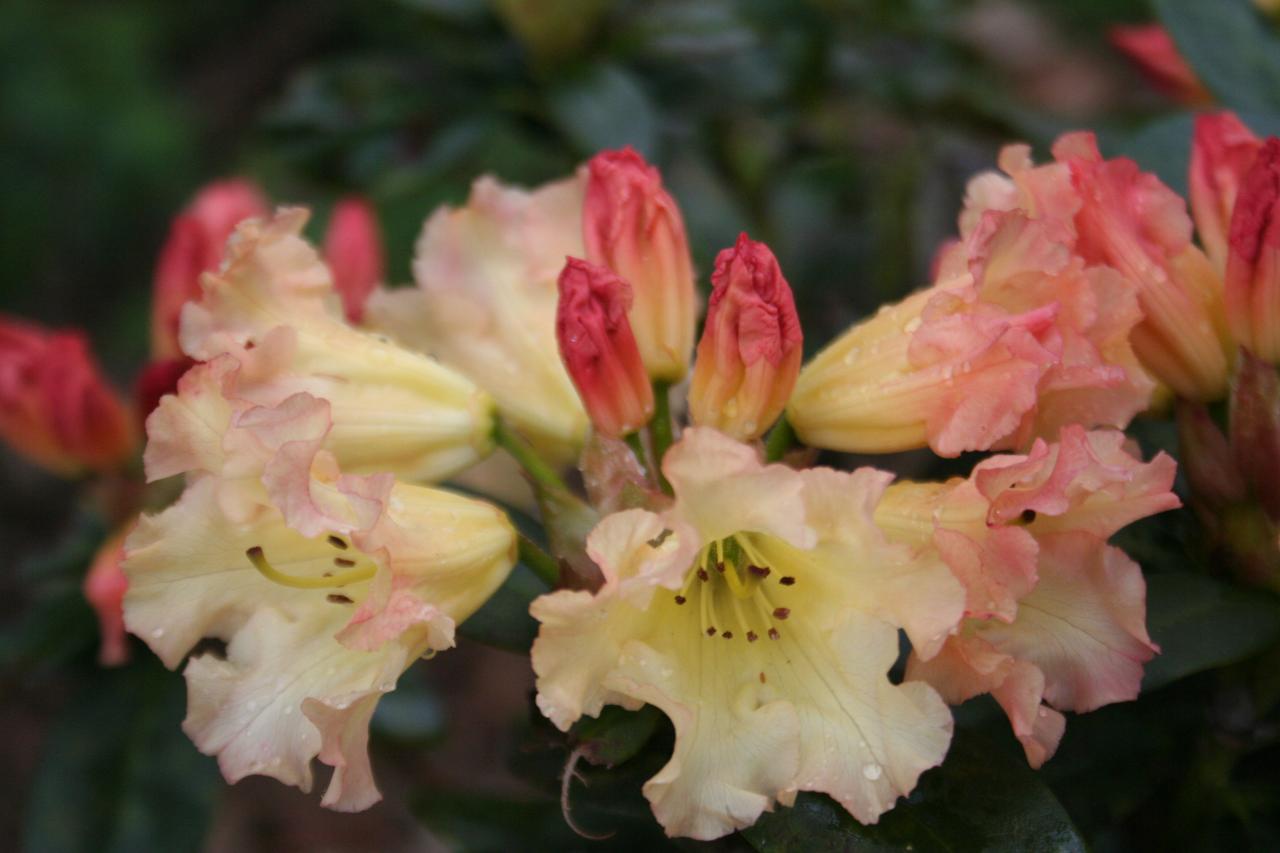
1151	48
749	355
1253	259
631	225
55	406
104	589
194	246
353	251
156	380
599	349
1222	150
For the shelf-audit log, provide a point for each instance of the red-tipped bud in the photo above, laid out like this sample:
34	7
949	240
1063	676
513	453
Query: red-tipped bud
1152	50
1253	257
194	246
1222	150
599	349
104	589
749	355
353	250
631	225
55	406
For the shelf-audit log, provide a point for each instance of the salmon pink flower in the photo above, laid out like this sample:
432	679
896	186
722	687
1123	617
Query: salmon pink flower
1152	50
1055	617
633	226
104	589
599	350
1222	150
272	308
1253	261
485	304
56	408
353	251
750	351
760	613
322	586
195	246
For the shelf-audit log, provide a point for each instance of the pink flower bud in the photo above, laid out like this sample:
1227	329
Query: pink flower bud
749	355
1152	50
1253	259
194	246
631	225
599	349
55	406
353	251
104	589
1222	150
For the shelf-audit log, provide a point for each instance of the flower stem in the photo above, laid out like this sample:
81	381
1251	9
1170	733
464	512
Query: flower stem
539	561
542	474
782	439
637	447
660	435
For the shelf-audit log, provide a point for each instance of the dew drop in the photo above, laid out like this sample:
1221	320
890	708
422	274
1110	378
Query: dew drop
872	771
157	633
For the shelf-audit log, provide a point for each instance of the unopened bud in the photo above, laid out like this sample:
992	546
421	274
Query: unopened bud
1222	150
1253	260
353	251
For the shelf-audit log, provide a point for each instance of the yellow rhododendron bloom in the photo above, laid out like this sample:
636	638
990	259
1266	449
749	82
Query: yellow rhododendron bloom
273	307
760	612
323	586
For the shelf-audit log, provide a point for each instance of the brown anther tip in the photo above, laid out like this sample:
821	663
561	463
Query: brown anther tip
711	632
338	542
773	634
759	571
752	636
1028	516
248	345
680	599
254	553
338	598
787	580
762	678
781	612
702	575
343	562
720	568
728	635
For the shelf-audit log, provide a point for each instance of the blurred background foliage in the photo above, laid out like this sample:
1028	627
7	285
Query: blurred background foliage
839	131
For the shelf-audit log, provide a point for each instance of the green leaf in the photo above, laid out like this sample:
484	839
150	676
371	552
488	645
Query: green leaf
605	107
1202	624
617	734
1231	48
983	797
504	621
117	772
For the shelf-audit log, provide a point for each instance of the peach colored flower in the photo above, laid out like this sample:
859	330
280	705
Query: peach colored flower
1222	150
1054	615
353	251
599	349
323	586
56	408
633	226
1253	260
760	613
749	355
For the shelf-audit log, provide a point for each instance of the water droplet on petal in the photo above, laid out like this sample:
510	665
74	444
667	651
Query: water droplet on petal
157	633
872	771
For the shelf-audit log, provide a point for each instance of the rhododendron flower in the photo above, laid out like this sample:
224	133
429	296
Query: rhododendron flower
1129	220
599	349
104	589
195	246
56	408
1222	150
760	613
633	226
323	586
353	251
1017	339
1153	51
750	351
486	302
272	307
1055	617
1253	262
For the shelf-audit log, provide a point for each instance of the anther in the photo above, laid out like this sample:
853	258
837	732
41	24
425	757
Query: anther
338	542
759	571
343	562
773	634
728	635
752	636
1028	516
762	678
702	575
711	631
680	599
720	568
338	598
781	612
787	580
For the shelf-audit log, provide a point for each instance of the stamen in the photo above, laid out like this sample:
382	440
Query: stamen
781	612
787	580
773	634
1028	516
711	630
702	575
271	573
338	542
752	636
728	635
343	562
680	599
759	571
338	598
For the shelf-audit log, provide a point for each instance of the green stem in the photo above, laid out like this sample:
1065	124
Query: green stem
637	447
538	470
782	439
539	561
660	435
